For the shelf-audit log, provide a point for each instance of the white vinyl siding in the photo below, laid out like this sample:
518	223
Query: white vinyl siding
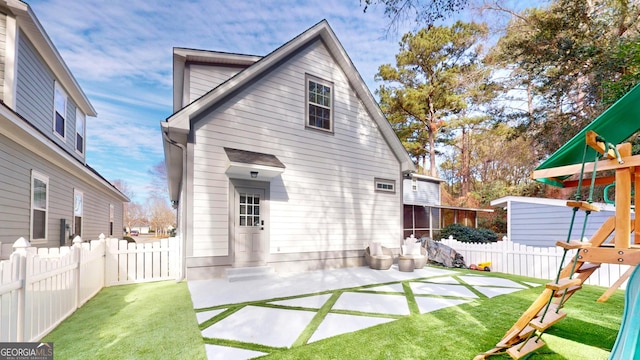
3	51
324	200
16	164
203	78
426	193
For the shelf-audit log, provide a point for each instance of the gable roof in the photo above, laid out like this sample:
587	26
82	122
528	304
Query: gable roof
29	24
179	124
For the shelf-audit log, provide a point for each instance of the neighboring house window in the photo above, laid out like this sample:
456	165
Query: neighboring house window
39	205
319	104
414	184
77	212
385	185
80	132
111	216
60	111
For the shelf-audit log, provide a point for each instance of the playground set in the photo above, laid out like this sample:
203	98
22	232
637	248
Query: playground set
578	164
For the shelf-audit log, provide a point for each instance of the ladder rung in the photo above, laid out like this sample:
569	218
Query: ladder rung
518	351
563	283
583	205
550	318
587	266
573	244
569	291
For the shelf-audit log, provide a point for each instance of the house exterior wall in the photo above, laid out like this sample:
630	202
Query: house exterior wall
35	86
3	49
543	224
202	78
325	199
427	192
16	165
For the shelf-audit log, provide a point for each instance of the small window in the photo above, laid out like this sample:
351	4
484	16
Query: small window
80	132
319	104
60	111
111	217
414	184
77	212
39	205
385	185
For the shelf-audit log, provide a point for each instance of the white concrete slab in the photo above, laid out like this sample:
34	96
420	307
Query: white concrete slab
387	288
373	303
215	352
532	284
442	280
490	281
258	325
214	292
337	324
495	291
312	302
206	315
428	304
441	289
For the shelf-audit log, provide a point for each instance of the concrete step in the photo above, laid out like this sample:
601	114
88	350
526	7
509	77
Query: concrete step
250	273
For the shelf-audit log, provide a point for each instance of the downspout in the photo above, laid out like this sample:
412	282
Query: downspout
183	256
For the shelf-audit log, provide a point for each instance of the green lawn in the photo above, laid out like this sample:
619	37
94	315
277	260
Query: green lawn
157	321
142	321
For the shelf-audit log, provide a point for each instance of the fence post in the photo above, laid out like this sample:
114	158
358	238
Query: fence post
20	249
76	248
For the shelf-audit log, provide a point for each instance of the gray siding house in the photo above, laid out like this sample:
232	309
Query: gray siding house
542	222
283	161
424	214
47	191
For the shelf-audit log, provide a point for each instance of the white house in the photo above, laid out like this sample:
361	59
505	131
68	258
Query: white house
47	190
284	160
543	222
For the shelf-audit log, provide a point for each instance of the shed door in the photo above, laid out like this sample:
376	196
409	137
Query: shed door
250	246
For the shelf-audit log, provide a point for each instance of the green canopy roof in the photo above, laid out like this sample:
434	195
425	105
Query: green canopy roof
616	124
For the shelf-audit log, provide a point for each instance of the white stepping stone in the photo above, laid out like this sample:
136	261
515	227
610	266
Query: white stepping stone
258	325
312	302
494	291
490	281
206	315
428	304
373	303
337	324
442	289
215	352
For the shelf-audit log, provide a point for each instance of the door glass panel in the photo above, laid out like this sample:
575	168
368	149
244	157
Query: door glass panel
249	208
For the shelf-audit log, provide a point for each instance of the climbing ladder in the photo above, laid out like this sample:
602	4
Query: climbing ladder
524	337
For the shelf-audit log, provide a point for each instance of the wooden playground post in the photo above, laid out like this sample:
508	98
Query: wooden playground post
623	201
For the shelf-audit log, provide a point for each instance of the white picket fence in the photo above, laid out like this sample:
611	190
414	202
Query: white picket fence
536	262
40	287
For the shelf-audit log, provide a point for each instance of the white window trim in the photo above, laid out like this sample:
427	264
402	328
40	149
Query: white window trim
80	115
382	185
414	184
112	224
66	99
40	176
317	80
78	194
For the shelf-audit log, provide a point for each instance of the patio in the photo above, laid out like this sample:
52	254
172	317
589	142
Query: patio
308	307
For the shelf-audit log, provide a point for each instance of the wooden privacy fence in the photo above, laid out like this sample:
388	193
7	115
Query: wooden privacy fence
40	287
536	262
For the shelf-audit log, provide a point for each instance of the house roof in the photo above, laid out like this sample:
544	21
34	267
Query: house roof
616	124
177	126
28	22
253	158
426	177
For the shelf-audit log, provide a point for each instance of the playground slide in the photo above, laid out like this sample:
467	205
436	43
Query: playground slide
627	344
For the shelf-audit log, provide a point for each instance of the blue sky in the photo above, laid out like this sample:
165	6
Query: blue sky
121	54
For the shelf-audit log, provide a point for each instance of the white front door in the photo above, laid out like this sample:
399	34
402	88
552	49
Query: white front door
250	246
